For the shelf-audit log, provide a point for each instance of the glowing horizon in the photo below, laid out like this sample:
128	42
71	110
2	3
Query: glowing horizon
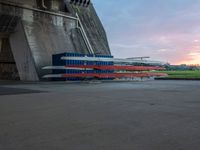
166	30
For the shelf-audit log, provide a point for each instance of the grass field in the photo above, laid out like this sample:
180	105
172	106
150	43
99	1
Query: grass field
182	74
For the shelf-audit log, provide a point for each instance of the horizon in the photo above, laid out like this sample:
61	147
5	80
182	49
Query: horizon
167	31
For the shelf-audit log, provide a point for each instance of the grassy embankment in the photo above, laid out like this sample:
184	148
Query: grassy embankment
182	74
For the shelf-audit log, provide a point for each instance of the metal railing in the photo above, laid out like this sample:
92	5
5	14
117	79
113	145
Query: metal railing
85	37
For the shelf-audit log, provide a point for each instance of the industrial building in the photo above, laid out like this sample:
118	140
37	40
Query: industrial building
33	32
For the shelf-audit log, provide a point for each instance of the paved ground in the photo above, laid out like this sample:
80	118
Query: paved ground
153	115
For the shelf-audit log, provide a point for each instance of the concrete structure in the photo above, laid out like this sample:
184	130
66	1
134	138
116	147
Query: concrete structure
31	31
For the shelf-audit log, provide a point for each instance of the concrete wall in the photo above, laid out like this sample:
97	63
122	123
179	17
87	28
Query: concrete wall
8	69
93	28
37	35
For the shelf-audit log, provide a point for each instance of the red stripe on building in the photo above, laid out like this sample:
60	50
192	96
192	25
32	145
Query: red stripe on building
114	75
125	68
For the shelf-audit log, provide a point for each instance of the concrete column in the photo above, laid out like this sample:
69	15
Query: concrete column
0	44
22	55
55	5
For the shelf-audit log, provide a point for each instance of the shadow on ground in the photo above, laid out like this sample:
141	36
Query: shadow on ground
16	91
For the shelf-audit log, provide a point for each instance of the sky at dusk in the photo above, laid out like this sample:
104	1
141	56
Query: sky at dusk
166	30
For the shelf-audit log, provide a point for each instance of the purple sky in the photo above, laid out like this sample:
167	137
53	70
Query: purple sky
166	30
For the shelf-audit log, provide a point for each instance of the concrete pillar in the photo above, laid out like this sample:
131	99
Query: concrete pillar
0	44
22	55
55	5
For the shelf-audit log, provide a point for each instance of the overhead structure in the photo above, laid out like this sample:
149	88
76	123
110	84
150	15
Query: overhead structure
31	31
85	3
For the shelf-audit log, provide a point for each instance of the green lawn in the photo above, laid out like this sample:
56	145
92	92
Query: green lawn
182	74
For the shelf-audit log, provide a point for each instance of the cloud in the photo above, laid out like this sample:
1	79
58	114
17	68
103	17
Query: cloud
162	50
124	46
194	54
167	30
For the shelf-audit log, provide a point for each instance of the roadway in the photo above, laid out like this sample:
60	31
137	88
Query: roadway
152	115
